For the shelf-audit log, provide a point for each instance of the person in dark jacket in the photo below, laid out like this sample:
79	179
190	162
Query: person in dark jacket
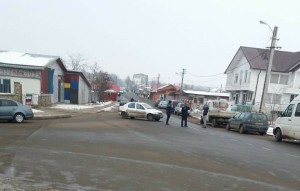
184	114
204	114
169	110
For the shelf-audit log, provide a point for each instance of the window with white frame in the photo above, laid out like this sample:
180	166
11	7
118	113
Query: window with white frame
241	77
246	76
5	86
249	75
236	78
279	79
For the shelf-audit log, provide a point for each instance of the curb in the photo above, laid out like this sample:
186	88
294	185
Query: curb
51	117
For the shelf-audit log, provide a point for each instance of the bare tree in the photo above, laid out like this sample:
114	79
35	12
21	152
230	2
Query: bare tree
102	83
76	62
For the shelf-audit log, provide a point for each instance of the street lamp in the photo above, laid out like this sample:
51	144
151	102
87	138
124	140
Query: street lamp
269	67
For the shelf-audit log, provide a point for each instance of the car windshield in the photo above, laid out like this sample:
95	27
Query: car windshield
146	106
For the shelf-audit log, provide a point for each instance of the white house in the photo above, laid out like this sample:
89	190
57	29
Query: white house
246	74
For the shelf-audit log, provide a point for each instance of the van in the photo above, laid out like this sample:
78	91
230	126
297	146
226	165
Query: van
287	125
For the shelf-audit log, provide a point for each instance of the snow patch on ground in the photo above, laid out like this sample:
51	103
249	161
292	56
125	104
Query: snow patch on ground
37	111
80	107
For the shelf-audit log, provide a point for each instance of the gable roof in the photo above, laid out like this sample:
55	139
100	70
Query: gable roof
26	60
257	58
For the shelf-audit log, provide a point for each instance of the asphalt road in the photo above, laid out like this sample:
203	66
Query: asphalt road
105	152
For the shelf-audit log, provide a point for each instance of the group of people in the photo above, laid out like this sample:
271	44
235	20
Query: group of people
184	114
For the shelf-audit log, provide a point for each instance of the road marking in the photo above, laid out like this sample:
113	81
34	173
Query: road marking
267	149
233	139
292	155
249	144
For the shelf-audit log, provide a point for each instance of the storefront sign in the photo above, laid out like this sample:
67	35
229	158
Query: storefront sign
23	73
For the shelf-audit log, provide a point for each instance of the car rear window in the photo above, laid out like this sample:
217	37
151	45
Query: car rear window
257	116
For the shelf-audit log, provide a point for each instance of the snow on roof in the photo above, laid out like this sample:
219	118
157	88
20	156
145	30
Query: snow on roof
110	91
25	59
206	93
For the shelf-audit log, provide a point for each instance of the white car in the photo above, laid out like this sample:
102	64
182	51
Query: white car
139	110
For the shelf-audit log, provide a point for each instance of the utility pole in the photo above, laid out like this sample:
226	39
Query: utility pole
182	76
269	69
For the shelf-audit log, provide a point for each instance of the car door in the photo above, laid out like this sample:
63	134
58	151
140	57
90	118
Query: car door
7	109
131	110
295	124
233	122
141	111
239	120
285	120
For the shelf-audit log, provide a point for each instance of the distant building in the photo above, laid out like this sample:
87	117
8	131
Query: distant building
141	81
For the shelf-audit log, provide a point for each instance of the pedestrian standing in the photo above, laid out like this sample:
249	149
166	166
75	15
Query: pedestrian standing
184	114
204	115
169	110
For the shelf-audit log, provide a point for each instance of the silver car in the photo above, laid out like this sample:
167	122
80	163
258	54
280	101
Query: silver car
140	110
14	111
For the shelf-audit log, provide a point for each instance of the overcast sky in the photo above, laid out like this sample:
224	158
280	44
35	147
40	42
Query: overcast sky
149	36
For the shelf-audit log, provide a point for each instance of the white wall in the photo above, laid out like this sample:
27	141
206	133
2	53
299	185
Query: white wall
83	92
30	86
243	66
57	71
296	82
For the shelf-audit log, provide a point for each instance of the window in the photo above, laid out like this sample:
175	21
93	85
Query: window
236	78
274	78
131	105
242	116
139	106
4	86
288	112
297	112
284	79
279	79
249	75
7	103
241	77
246	76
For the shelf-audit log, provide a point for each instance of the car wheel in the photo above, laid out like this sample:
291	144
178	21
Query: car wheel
157	119
19	117
242	129
124	115
150	117
278	135
131	117
214	123
228	126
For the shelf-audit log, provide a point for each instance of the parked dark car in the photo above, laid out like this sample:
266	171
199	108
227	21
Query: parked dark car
14	111
249	122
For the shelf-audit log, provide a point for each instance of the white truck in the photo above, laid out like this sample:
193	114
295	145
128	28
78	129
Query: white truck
219	112
287	126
